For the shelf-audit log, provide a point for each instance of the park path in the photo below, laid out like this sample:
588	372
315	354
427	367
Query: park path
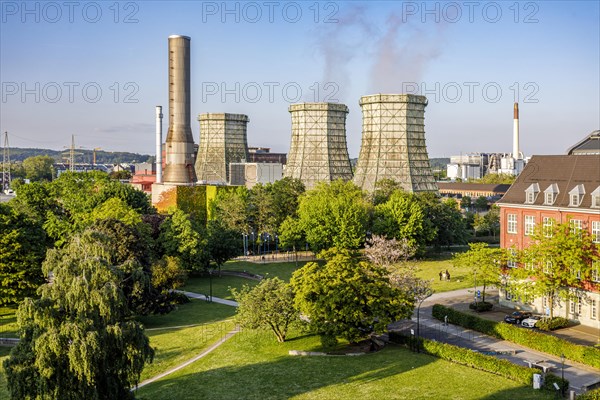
206	352
577	374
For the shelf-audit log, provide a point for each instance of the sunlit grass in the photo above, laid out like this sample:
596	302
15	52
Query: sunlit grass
8	322
253	365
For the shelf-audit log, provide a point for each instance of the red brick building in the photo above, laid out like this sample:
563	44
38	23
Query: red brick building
555	189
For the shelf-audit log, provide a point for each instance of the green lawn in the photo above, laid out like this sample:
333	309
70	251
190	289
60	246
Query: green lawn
283	270
220	285
8	322
429	269
253	365
3	356
175	341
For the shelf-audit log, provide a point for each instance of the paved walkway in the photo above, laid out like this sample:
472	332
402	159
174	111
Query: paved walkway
578	375
214	299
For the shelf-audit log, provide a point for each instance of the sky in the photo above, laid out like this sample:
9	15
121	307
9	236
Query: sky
97	70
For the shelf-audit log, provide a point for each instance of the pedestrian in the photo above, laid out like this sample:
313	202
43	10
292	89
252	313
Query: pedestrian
447	275
440	275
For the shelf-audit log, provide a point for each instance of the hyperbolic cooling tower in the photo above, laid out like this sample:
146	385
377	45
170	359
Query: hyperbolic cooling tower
393	143
179	153
318	151
223	141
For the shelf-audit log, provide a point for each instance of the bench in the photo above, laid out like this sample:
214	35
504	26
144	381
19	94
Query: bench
541	364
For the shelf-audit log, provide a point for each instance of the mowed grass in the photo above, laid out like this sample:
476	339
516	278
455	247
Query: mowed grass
8	322
429	269
252	365
185	333
4	351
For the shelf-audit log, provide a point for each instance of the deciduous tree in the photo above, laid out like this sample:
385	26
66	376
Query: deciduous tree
484	262
270	304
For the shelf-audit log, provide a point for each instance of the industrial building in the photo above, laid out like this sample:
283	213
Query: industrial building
249	174
469	166
264	155
393	143
318	150
223	140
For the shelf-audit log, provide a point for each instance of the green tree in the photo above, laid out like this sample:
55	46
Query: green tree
383	190
334	215
557	261
22	250
403	217
347	298
181	236
286	193
39	168
223	244
444	225
291	235
484	262
466	202
481	203
261	209
231	208
270	304
78	341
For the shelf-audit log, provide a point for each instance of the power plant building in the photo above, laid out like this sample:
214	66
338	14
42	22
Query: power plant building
223	140
318	150
393	143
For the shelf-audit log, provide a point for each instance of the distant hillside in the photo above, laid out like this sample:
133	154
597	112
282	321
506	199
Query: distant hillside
439	162
84	156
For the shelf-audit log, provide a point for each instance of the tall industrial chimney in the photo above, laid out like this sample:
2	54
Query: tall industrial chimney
516	152
159	117
179	154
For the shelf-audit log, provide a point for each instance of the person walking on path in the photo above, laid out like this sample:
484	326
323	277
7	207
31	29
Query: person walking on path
447	275
440	275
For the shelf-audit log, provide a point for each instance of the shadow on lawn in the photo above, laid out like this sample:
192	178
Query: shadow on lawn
520	394
284	377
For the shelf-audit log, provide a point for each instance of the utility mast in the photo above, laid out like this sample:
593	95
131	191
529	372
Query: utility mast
6	164
72	154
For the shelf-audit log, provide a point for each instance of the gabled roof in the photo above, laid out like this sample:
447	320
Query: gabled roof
566	172
485	187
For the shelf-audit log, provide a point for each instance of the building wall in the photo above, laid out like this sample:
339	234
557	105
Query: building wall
519	241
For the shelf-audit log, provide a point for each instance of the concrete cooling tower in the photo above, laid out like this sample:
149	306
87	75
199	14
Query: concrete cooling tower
223	141
318	151
393	143
179	149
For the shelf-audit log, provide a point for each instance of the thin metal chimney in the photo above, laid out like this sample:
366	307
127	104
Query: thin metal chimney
159	117
516	151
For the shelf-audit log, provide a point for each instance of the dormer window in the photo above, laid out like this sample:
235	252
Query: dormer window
596	198
576	195
550	194
531	193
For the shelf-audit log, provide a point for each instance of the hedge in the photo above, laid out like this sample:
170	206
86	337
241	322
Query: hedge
477	360
587	355
550	324
591	395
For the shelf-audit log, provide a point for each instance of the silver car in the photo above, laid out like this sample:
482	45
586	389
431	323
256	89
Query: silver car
530	322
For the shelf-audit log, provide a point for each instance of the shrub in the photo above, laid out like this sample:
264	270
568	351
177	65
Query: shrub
591	395
550	324
549	381
481	306
475	360
535	340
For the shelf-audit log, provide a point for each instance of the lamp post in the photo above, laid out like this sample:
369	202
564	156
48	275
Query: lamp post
210	287
428	292
562	375
475	282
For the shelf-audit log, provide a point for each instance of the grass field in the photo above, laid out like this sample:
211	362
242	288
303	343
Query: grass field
428	269
252	365
8	322
175	341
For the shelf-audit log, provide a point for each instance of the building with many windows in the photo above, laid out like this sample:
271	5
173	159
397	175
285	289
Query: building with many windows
555	189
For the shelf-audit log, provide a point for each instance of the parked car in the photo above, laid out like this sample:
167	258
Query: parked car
531	321
516	317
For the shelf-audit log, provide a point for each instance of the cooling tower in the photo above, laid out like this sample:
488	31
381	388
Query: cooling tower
393	143
318	151
223	141
179	152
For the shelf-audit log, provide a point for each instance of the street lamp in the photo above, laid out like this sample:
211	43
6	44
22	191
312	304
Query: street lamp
562	375
428	292
210	283
475	293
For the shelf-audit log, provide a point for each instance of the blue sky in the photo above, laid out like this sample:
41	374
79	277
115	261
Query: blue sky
97	69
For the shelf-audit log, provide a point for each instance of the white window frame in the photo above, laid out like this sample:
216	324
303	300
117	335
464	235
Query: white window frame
574	200
548	225
572	307
511	223
548	267
596	198
549	198
575	226
596	231
575	195
595	271
593	309
512	262
529	225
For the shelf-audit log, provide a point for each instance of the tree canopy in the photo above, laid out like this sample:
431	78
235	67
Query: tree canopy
78	340
334	215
